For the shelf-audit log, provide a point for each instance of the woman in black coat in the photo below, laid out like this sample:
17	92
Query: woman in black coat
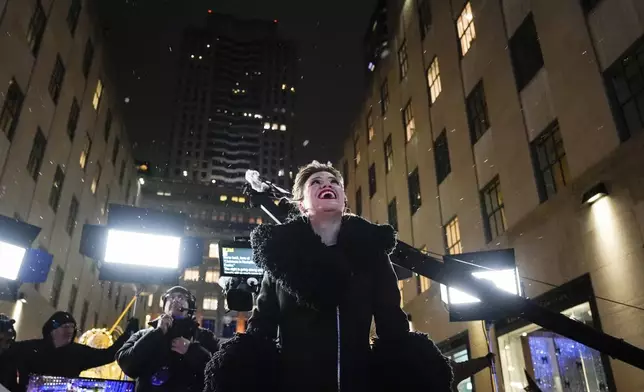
326	274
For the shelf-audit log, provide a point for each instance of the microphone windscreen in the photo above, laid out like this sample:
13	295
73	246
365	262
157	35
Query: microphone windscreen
252	177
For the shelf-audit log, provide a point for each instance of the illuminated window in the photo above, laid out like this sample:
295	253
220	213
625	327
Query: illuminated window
210	303
241	199
267	125
148	318
434	80
150	302
453	237
465	27
191	274
550	159
493	210
389	154
356	149
283	87
259	220
274	127
403	61
87	147
96	178
408	121
370	128
282	127
213	250
235	199
212	275
98	95
223	198
280	173
292	89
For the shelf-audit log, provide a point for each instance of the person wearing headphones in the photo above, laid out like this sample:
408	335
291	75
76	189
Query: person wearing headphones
172	354
56	354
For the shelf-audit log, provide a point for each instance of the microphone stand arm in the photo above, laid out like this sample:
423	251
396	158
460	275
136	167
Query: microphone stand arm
410	258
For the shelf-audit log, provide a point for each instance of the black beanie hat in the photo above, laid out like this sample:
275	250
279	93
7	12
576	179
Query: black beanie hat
55	321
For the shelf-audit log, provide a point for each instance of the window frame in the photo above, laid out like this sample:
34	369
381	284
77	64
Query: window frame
36	29
409	123
37	154
359	201
56	188
452	245
73	15
88	57
384	97
477	113
414	192
57	79
356	149
371	131
372	180
72	120
493	212
56	287
403	60
561	160
525	52
392	213
389	154
464	29
72	216
434	85
11	109
424	18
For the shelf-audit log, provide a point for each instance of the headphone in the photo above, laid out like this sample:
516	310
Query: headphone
192	300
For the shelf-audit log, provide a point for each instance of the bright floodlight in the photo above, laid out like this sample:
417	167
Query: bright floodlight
506	280
11	257
147	250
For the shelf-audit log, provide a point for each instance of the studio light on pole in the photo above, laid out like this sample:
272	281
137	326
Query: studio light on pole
595	193
497	267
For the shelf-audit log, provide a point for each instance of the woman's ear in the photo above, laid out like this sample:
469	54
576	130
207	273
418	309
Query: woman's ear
300	206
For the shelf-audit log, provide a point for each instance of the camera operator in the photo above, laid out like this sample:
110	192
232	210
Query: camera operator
56	354
172	354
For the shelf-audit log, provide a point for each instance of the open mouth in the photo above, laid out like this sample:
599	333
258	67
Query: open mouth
327	194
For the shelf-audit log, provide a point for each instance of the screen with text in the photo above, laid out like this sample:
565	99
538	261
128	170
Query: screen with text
238	262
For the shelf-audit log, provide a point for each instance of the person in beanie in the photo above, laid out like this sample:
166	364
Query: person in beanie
56	354
8	375
172	354
327	275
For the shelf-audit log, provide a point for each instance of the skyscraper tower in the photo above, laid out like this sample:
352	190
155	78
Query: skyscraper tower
235	103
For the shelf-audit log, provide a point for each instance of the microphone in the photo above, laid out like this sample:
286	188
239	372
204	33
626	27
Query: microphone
182	309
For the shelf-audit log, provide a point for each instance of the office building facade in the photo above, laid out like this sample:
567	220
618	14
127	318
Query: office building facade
64	154
235	103
214	214
493	125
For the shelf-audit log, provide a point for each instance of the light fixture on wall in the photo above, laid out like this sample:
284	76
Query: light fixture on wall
595	193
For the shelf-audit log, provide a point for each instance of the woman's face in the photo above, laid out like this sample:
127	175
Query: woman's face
323	193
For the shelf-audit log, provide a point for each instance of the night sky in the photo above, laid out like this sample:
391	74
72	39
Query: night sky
141	34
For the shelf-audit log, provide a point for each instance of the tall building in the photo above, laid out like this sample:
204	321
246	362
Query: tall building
215	215
64	154
497	124
235	103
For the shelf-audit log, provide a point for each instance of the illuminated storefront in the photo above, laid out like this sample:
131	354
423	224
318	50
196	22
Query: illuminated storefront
457	349
554	362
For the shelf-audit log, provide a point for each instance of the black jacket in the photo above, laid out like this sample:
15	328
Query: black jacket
323	299
39	356
148	351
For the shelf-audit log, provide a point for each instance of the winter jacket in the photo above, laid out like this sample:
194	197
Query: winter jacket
39	356
147	357
323	298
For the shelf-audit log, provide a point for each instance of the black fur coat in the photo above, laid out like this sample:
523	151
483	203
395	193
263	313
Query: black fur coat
323	299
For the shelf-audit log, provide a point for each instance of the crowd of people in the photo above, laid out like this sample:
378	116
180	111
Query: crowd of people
327	276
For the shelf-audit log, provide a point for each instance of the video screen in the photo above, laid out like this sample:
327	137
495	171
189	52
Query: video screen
236	259
146	250
64	384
